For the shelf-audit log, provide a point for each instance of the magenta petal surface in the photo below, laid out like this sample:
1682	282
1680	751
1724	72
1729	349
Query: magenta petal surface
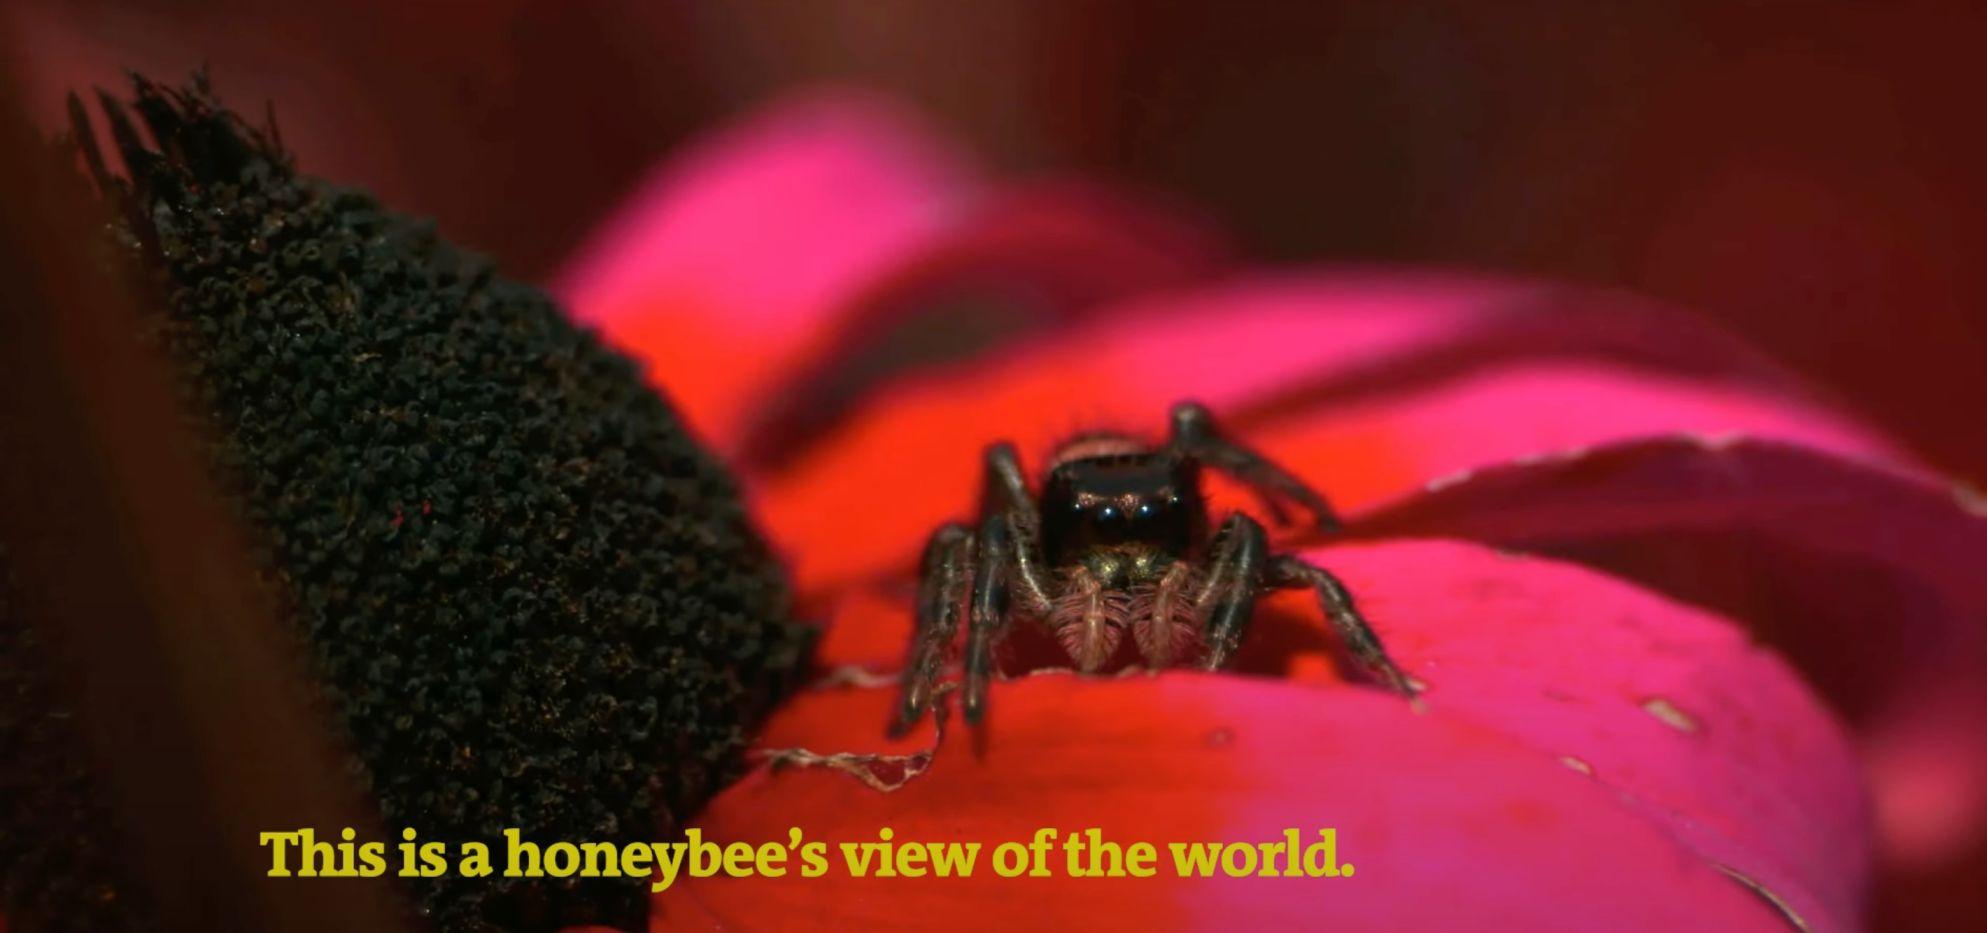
1369	386
725	266
1586	753
1869	577
775	218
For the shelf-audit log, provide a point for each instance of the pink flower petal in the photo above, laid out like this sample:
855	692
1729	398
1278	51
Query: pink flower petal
1356	383
1870	578
1431	433
725	259
1535	788
832	226
776	217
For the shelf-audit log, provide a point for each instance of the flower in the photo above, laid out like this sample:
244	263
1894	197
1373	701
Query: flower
1681	623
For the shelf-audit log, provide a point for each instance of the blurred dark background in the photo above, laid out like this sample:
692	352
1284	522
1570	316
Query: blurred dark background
1808	173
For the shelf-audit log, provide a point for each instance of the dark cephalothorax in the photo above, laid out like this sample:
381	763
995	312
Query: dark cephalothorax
1117	541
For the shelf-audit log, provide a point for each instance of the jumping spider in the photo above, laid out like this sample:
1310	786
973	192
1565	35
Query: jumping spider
1117	542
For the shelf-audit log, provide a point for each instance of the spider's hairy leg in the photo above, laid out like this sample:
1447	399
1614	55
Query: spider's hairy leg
1007	492
1234	576
989	610
1002	562
1006	487
942	582
1195	435
1288	572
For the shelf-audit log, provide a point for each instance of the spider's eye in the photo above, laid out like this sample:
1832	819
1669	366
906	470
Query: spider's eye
1147	510
1108	513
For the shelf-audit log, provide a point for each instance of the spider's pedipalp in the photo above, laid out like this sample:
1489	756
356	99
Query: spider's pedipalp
1166	617
1088	619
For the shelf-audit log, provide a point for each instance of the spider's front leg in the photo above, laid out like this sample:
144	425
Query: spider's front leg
1234	577
989	610
1239	569
942	579
1009	566
1195	435
1288	572
1003	559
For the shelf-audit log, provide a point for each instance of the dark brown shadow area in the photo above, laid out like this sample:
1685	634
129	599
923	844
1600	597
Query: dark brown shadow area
188	702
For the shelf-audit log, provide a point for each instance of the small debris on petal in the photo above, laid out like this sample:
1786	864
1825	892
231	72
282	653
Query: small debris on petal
1719	442
1577	765
853	675
1449	479
1671	716
1765	894
1970	498
1541	457
881	772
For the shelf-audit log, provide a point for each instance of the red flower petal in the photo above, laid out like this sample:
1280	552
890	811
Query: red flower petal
1031	259
1869	578
1587	754
1340	375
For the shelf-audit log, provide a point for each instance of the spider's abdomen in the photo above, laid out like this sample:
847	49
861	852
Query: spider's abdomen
1141	499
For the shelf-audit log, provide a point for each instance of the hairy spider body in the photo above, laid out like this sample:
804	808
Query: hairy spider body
1116	543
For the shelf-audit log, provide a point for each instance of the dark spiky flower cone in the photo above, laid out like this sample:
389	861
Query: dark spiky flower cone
533	600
